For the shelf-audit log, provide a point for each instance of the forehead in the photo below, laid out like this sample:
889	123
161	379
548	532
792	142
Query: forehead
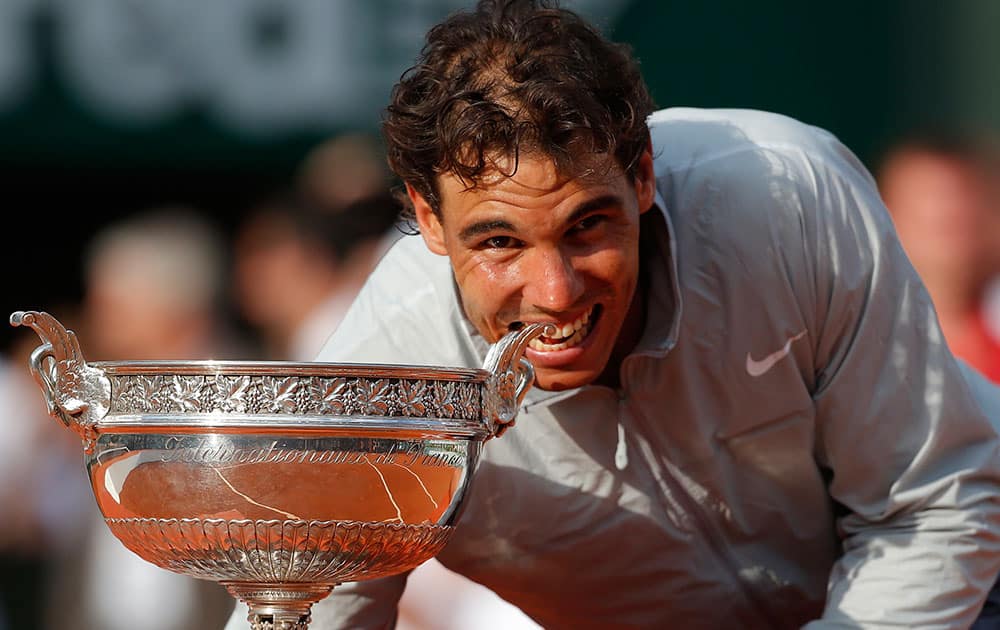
532	178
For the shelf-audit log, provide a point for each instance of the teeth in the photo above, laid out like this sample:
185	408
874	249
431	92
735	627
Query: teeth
570	335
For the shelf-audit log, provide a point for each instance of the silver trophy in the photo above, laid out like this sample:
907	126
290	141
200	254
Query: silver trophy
279	480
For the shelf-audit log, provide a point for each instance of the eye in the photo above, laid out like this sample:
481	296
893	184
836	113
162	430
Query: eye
588	223
500	242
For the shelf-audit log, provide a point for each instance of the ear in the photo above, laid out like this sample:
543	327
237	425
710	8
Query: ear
428	221
645	179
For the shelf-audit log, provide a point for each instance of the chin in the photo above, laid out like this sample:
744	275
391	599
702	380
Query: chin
556	380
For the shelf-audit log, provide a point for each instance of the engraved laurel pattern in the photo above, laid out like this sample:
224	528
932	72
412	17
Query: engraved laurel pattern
280	551
293	395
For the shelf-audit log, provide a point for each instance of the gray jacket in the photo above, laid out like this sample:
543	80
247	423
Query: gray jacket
792	441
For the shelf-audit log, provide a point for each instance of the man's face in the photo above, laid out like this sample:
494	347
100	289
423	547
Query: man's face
546	247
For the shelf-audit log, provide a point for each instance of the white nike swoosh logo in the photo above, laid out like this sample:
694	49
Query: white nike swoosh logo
759	368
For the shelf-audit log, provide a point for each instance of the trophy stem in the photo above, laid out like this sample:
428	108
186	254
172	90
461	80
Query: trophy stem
278	606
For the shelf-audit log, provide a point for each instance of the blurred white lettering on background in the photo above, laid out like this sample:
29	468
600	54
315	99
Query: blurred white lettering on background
255	67
17	66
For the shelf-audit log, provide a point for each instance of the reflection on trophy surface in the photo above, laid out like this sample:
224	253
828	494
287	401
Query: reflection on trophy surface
279	480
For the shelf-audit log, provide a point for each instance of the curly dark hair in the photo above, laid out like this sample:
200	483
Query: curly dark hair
513	77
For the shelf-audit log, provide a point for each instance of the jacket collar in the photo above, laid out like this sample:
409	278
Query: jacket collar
663	295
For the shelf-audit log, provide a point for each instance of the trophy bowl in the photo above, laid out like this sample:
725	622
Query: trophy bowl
279	480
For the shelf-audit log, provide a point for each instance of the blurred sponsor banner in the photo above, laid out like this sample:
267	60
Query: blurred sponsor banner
144	79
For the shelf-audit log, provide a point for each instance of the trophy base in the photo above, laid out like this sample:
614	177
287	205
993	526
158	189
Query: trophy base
284	607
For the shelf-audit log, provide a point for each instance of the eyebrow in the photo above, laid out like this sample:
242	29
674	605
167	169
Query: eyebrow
493	225
484	227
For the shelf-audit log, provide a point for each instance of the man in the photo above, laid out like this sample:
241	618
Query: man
748	418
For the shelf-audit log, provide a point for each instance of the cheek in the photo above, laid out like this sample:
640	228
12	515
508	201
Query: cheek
493	277
485	287
500	277
613	265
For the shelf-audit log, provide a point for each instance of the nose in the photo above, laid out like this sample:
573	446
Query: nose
552	283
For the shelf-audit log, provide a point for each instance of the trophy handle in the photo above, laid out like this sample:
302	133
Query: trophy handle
76	394
511	375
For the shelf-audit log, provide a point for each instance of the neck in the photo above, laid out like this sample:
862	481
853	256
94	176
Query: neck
634	326
628	338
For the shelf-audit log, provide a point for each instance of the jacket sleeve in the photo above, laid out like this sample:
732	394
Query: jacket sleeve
367	605
902	429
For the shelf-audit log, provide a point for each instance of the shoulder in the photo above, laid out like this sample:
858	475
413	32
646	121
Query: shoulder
407	312
703	133
765	196
406	260
408	279
751	143
751	164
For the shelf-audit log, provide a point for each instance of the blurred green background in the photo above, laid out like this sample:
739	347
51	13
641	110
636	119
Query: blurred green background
109	106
